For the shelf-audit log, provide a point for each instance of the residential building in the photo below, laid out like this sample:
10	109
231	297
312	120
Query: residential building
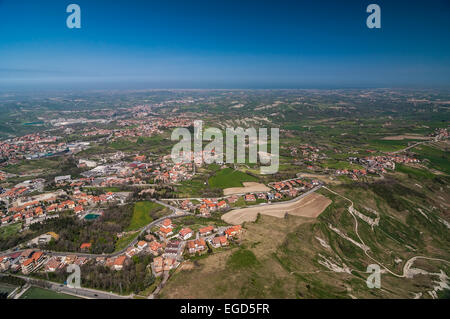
205	231
219	241
119	262
185	233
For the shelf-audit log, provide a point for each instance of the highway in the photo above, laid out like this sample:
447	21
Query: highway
79	292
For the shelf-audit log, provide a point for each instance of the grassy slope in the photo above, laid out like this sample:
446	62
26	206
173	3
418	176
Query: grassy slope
144	213
121	243
281	256
9	230
228	177
437	158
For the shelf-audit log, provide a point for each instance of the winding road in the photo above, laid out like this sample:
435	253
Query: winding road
176	214
409	262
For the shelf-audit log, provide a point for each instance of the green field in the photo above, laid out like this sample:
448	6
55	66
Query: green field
40	293
9	230
144	213
389	145
124	241
242	258
228	177
31	165
413	172
335	164
437	158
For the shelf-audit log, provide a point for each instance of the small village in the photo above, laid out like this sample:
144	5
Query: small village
167	248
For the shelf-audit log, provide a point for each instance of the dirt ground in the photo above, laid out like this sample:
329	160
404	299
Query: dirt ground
211	278
405	137
323	178
310	206
249	187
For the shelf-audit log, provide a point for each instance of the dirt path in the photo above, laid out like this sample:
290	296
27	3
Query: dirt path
407	273
409	147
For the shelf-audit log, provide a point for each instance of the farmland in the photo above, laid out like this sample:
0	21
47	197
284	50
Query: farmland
228	177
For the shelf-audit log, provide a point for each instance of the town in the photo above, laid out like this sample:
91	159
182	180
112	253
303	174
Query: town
98	189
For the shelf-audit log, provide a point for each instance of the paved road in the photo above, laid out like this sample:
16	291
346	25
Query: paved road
80	292
160	286
409	147
20	293
85	292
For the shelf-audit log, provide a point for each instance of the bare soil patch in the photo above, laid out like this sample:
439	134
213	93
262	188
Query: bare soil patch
310	206
323	178
405	137
212	278
249	187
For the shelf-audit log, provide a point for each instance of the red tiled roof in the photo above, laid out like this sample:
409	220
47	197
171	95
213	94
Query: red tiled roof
28	261
185	231
85	245
167	222
120	260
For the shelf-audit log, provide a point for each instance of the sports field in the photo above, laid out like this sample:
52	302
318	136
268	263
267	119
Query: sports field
40	293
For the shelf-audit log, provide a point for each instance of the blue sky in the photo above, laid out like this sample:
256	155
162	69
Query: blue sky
224	44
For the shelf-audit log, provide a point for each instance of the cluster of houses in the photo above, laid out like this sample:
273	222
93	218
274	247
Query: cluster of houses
440	134
216	238
353	173
294	183
289	188
206	206
108	175
26	261
172	173
211	205
147	126
96	132
29	146
182	241
35	146
379	164
309	153
22	207
136	172
31	260
22	189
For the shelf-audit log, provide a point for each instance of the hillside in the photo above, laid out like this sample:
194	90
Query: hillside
297	257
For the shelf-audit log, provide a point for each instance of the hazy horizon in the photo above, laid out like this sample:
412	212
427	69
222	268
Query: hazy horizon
223	44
